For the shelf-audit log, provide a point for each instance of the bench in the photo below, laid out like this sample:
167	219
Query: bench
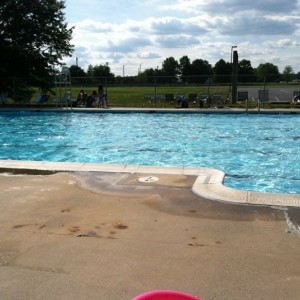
170	99
217	101
153	99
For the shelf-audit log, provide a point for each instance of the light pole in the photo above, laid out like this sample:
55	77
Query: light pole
234	74
230	85
232	47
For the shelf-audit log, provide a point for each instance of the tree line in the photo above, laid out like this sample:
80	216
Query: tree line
35	37
198	71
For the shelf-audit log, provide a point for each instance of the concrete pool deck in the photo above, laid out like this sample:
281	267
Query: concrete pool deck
95	231
208	182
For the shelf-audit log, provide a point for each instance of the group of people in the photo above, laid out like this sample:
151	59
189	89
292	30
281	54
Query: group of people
94	99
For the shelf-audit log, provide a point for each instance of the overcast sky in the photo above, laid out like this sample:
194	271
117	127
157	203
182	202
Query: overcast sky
133	35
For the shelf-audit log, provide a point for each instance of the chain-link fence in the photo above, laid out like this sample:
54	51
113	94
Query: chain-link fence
142	91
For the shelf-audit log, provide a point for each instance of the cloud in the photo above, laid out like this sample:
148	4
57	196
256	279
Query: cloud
91	26
148	55
282	43
127	45
116	57
176	26
136	32
176	41
235	17
266	6
225	7
259	25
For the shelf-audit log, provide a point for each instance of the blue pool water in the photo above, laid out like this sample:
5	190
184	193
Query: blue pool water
256	152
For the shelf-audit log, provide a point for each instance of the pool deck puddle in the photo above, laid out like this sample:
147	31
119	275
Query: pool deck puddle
208	183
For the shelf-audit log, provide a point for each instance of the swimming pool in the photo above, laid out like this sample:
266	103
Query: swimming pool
256	152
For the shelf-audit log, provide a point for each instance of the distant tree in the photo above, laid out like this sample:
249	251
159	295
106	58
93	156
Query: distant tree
100	73
127	80
34	37
222	71
89	72
288	73
201	70
77	74
184	67
246	72
147	76
76	71
170	68
267	72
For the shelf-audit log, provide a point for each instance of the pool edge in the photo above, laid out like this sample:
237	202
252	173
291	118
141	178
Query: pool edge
208	184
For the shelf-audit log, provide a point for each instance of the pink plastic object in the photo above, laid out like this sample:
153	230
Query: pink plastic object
165	295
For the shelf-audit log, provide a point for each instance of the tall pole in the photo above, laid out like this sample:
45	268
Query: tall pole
232	47
230	85
234	76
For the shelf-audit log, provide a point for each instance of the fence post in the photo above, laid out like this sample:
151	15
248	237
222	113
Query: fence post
14	91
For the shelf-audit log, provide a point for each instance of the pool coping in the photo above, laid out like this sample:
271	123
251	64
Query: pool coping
191	110
208	184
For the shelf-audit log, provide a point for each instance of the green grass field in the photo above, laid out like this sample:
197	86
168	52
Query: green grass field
132	96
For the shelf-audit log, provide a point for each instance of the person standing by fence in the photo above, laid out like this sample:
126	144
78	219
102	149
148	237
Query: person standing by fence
102	101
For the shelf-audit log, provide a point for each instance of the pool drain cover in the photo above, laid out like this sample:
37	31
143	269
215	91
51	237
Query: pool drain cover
148	179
